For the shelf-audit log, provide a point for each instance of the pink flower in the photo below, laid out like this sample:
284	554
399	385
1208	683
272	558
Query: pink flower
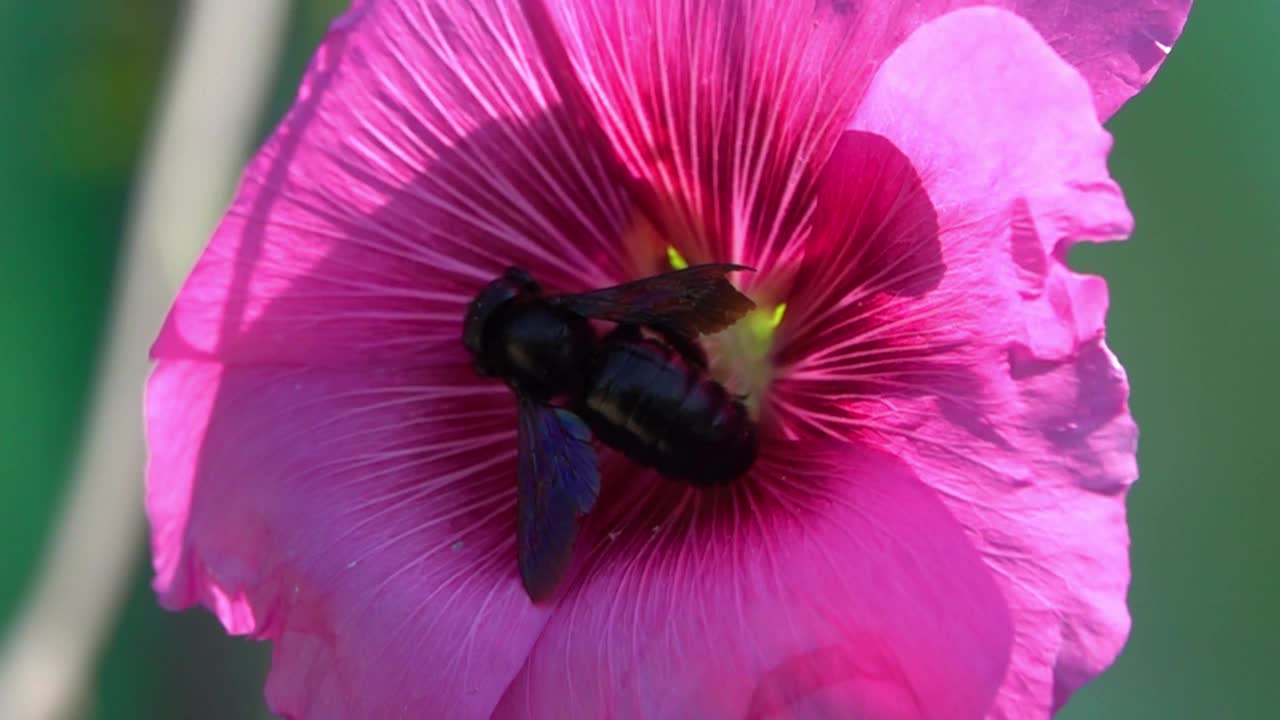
935	526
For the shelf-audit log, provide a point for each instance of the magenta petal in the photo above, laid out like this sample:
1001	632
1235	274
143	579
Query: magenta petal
1118	45
362	520
424	154
831	583
999	130
725	110
1026	434
852	337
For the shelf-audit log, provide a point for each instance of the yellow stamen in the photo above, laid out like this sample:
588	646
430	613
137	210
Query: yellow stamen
761	324
778	312
676	259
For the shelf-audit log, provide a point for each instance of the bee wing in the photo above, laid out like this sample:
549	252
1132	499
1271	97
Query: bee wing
695	301
559	480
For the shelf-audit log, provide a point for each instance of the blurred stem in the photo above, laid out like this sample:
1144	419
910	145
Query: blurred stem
221	69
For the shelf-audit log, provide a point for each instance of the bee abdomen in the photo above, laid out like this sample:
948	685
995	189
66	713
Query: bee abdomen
644	400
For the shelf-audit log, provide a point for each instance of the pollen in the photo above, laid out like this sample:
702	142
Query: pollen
676	260
741	354
762	323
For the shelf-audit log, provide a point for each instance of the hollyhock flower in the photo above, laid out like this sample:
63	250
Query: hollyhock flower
935	525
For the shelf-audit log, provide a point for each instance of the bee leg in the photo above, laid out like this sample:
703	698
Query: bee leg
687	348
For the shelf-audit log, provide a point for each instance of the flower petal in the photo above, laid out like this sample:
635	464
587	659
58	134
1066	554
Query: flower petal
425	153
362	520
1015	411
830	583
852	337
1118	45
725	110
1014	165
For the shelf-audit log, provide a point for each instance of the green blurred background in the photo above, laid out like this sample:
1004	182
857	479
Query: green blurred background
1194	318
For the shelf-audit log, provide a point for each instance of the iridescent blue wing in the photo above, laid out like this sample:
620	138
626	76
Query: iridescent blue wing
559	480
694	301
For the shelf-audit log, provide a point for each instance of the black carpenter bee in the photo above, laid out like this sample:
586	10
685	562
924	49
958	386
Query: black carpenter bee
643	389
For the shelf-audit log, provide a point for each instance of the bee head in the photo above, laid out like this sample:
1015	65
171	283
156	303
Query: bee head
513	285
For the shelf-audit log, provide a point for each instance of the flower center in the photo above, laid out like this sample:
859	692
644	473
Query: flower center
741	355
